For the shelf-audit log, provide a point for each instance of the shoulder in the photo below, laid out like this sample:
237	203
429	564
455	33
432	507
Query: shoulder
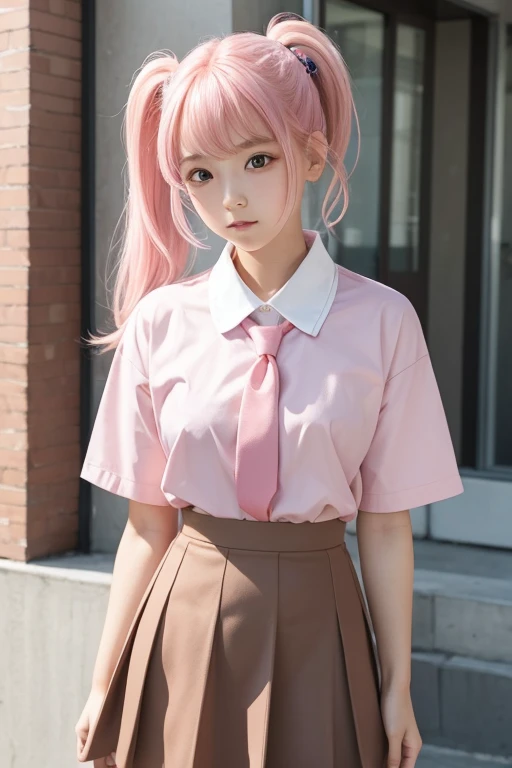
150	319
158	306
386	311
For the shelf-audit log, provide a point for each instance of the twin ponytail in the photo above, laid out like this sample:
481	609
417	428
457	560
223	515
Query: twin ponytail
153	253
335	90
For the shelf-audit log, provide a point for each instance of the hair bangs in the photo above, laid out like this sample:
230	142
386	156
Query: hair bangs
215	110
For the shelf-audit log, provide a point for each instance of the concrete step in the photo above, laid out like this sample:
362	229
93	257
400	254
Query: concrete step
467	611
437	757
463	703
463	615
462	647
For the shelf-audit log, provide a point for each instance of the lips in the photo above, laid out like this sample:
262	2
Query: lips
236	224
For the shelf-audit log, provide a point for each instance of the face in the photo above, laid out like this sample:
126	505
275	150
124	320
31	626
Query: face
248	186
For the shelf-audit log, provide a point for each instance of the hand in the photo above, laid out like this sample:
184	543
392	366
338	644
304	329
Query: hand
401	728
87	717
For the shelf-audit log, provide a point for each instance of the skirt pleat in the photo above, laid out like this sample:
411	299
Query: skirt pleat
251	648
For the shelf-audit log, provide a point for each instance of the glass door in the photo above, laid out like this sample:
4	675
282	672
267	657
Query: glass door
384	233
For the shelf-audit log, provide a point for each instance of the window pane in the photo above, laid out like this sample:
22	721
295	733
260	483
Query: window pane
503	416
407	136
359	33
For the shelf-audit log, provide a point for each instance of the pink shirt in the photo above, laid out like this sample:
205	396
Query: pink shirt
361	422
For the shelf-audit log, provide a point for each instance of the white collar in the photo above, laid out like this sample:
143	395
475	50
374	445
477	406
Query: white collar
305	299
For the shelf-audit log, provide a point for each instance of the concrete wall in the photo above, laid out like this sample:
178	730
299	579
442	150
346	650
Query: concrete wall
50	627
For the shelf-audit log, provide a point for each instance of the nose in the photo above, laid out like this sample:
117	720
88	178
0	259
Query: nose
234	200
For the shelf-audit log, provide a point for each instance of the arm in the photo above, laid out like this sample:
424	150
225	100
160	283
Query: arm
148	533
387	566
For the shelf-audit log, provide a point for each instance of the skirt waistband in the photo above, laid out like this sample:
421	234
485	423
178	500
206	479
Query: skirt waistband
257	535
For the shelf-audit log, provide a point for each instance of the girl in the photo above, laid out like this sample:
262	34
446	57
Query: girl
269	398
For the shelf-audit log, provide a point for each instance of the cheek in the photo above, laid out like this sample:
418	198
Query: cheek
204	202
272	189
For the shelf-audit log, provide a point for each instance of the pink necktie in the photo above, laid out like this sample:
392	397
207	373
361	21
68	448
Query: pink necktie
256	461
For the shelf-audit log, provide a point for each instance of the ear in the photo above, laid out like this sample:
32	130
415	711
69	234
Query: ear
316	154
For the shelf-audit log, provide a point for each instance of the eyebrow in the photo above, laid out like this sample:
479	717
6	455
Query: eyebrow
244	145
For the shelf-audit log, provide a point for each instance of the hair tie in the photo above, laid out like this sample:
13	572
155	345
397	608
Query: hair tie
311	67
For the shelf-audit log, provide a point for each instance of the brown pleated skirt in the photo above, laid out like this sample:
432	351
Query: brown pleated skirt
251	648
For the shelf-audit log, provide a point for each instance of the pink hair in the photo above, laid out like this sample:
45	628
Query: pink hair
224	82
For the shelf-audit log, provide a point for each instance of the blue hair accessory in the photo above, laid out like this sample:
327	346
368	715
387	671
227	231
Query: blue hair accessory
311	67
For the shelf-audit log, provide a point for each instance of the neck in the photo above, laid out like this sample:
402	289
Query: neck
266	270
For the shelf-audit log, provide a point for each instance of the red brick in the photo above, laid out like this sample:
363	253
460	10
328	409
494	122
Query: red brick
57	454
41	238
63	46
14	198
13	391
14	334
50	544
10	353
14	315
16	420
15	136
16	441
41	137
16	175
14	219
13	100
73	10
16	514
40	62
58	7
64	436
13	296
14	81
16	19
46	334
55	275
41	118
46	157
14	61
15	40
18	3
65	67
55	86
17	496
13	552
41	257
13	459
54	198
47	22
60	221
14	403
16	478
16	156
17	238
14	277
54	179
13	118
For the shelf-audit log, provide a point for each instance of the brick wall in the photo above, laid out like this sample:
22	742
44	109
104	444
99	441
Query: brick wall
40	127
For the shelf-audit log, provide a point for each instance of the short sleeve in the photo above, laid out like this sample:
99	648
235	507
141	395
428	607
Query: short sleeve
125	455
411	460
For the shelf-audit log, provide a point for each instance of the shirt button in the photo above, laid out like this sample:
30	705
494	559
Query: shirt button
265	308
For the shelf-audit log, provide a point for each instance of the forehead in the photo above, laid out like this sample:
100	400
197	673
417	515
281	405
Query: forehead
233	139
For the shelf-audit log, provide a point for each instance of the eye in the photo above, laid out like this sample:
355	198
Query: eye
259	161
200	170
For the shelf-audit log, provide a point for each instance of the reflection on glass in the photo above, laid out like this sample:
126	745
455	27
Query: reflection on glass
406	149
503	416
359	33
